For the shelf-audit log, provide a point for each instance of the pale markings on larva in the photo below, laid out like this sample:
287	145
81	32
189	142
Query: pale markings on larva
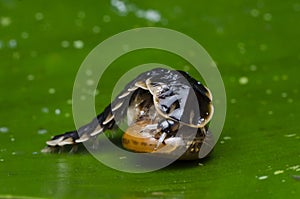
148	84
117	106
138	103
83	138
192	114
148	81
141	85
208	94
108	119
124	95
97	131
132	88
54	142
66	141
173	107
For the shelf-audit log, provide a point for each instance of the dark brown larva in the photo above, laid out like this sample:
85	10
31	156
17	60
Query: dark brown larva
156	105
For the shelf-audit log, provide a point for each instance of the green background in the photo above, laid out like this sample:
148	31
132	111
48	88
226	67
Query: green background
255	44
